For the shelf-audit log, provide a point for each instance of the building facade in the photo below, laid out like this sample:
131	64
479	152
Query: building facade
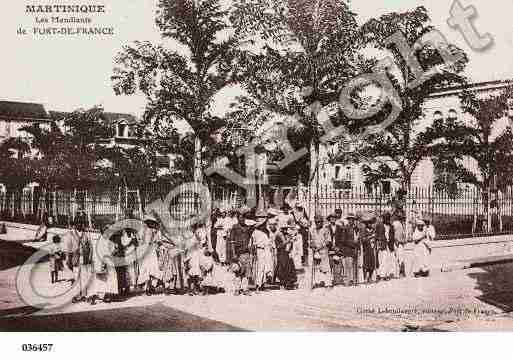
444	104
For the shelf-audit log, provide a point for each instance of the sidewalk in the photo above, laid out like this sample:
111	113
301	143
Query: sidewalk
444	301
445	256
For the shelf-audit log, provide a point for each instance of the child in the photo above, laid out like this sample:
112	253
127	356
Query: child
193	269
56	259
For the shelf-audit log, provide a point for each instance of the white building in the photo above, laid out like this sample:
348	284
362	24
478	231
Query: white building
442	104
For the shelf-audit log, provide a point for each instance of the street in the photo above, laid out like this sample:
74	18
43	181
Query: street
477	298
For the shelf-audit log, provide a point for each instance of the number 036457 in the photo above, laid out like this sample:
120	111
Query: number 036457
37	347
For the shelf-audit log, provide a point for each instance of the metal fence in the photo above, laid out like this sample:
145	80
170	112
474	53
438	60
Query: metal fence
467	213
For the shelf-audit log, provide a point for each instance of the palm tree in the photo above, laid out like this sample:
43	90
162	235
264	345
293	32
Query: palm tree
312	49
15	172
180	83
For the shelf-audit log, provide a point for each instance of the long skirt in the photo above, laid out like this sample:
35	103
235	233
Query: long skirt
168	264
221	247
409	259
386	263
149	266
105	282
337	267
359	264
264	266
322	271
84	276
285	270
420	258
350	270
297	254
369	258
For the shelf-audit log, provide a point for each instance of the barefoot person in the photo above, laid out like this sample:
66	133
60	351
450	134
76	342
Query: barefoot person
319	246
263	248
368	240
149	238
56	257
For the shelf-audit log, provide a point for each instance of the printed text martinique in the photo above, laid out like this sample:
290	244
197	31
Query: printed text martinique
73	9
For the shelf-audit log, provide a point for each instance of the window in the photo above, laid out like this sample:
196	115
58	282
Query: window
349	174
385	185
453	115
122	130
337	172
132	131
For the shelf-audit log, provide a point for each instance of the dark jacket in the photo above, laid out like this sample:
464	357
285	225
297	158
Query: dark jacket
240	237
381	240
346	241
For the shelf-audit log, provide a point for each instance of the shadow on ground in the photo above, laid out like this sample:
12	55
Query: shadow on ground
14	254
496	284
156	317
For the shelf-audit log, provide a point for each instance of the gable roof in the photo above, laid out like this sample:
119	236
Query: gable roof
23	110
113	118
110	117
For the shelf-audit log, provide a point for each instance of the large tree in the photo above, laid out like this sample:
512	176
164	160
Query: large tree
401	147
311	49
180	82
15	172
486	140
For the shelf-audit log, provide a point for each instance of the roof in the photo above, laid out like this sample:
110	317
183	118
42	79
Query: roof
474	87
58	116
110	117
113	118
23	110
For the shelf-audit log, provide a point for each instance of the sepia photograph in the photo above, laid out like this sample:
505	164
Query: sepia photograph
256	166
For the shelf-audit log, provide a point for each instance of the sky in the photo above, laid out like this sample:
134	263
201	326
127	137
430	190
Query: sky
66	73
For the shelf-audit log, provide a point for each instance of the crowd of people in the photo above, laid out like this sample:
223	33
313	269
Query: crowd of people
243	252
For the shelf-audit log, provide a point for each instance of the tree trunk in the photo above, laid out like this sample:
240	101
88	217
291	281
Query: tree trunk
198	170
314	173
488	209
499	210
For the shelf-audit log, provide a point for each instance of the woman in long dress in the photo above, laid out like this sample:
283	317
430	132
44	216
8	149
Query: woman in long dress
297	243
319	244
263	247
149	271
105	283
421	251
368	239
286	272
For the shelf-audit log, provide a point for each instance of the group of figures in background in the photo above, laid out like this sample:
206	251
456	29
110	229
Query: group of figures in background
244	251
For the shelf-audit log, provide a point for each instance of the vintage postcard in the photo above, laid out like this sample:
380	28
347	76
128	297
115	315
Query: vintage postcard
256	165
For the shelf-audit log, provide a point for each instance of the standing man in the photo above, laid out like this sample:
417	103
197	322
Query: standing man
339	219
400	242
319	244
421	250
385	245
301	219
222	229
240	237
263	249
368	239
337	268
346	242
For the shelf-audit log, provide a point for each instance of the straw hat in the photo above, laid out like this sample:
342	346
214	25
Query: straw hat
318	218
261	213
273	212
291	224
420	222
351	216
150	218
250	222
273	220
368	217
